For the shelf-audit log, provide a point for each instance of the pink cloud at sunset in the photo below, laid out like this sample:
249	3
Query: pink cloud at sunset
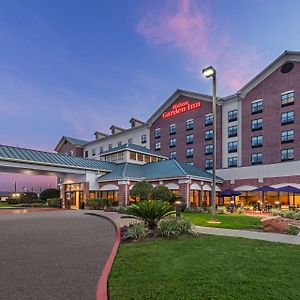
191	31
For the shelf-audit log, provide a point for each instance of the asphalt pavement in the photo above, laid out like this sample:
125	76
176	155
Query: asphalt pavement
53	255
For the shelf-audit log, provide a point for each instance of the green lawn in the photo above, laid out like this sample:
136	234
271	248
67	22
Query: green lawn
4	205
208	267
231	221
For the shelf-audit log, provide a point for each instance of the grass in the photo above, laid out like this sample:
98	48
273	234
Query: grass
208	267
230	221
5	205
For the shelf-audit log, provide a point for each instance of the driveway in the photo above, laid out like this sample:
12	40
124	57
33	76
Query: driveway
53	255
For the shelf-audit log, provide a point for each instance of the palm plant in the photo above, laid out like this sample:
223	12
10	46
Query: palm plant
151	212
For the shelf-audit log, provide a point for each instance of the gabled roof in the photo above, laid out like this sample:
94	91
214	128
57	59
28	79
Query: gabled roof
173	98
157	170
274	65
73	141
134	147
10	153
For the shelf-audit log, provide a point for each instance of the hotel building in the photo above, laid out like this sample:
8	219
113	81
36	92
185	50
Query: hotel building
258	136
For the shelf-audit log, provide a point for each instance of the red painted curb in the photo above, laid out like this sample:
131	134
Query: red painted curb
102	291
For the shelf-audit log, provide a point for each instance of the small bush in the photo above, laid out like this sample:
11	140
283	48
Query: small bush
296	215
221	210
195	210
94	203
293	230
55	202
27	197
137	231
275	211
172	228
239	210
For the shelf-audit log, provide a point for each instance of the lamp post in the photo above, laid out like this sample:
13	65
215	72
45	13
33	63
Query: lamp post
211	72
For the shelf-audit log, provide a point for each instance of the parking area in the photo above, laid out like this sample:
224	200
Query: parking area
53	255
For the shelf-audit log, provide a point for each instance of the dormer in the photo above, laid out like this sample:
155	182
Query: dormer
135	122
99	135
115	129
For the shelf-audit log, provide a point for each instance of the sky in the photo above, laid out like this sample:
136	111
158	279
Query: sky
71	67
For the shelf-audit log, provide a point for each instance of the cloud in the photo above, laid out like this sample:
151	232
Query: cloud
190	30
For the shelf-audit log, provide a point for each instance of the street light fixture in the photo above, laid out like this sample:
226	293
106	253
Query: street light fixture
211	72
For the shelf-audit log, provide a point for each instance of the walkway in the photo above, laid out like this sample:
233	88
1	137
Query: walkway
53	255
255	235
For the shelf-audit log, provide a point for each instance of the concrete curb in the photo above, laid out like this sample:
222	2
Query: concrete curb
102	285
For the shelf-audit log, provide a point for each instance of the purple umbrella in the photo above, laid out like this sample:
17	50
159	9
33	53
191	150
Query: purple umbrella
290	189
229	193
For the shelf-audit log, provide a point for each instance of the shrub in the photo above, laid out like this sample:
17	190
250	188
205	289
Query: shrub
172	227
221	210
151	212
27	197
141	190
195	210
239	210
161	192
55	202
293	230
296	215
137	231
94	203
275	211
49	194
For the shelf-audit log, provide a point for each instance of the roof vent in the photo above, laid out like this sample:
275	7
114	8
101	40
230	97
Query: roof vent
287	67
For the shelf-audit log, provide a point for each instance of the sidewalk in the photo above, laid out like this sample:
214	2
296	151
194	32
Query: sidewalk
255	235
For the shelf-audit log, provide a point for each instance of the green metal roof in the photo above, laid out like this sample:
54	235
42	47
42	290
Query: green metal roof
42	157
133	147
75	141
156	170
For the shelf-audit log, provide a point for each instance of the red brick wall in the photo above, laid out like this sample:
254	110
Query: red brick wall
270	91
68	147
199	133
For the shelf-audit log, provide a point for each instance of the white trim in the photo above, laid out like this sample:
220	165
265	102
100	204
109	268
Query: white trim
195	186
172	186
109	187
206	187
245	188
287	92
258	100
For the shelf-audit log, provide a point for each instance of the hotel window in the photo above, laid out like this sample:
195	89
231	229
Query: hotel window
189	139
86	153
114	157
157	133
172	143
101	149
144	139
287	154
209	134
287	118
157	146
257	106
232	162
140	157
129	141
189	152
287	99
172	129
93	152
287	136
232	131
172	155
232	115
121	155
256	124
232	146
208	149
208	164
190	163
256	141
119	143
189	125
147	158
256	158
209	119
132	155
109	146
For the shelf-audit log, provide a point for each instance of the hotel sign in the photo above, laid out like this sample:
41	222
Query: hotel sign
180	108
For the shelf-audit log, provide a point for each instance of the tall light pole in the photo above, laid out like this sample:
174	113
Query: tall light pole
211	72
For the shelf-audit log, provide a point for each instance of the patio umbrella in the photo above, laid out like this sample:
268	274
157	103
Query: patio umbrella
290	189
229	193
264	189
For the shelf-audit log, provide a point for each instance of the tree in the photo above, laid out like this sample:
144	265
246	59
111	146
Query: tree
161	192
141	190
49	194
